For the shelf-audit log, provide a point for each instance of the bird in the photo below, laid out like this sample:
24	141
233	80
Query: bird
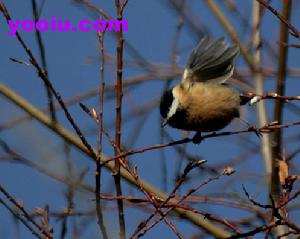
202	101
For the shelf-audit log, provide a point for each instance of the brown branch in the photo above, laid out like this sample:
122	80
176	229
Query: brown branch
270	95
275	189
19	217
226	171
156	205
43	59
24	211
209	216
268	128
186	171
256	230
100	138
280	89
289	45
267	206
93	7
119	94
283	18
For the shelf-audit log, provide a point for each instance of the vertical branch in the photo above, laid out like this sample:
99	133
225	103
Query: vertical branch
100	137
280	89
259	89
119	91
43	59
275	189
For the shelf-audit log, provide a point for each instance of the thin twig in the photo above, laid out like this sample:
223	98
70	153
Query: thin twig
283	18
255	202
43	59
100	138
24	211
186	195
187	170
158	208
268	128
93	7
19	217
256	230
280	89
119	94
275	189
271	95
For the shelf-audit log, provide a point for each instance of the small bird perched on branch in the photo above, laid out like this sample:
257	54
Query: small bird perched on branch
201	102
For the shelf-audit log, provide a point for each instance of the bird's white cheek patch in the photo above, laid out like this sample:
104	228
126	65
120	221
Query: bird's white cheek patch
185	74
173	108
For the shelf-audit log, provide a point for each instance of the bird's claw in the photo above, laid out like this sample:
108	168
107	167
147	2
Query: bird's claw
197	138
256	131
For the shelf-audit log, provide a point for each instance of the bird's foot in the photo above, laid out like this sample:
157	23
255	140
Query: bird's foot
197	138
256	131
252	128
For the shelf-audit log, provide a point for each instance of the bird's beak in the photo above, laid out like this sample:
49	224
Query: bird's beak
164	123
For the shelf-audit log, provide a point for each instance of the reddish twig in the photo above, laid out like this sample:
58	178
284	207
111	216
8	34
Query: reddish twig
98	10
275	210
226	171
275	189
270	95
294	30
255	202
100	138
119	94
210	217
19	217
156	205
264	129
43	59
23	210
256	230
187	169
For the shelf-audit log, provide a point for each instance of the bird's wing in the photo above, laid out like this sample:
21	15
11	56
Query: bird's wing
210	61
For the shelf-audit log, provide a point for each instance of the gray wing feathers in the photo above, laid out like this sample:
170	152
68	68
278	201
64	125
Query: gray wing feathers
211	59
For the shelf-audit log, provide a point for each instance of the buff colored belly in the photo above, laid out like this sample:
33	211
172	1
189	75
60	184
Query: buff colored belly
211	107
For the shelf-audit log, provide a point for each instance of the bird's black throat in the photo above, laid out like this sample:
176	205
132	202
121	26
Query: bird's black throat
166	102
178	120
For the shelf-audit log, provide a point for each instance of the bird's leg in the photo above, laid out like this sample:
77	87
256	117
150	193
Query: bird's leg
197	138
